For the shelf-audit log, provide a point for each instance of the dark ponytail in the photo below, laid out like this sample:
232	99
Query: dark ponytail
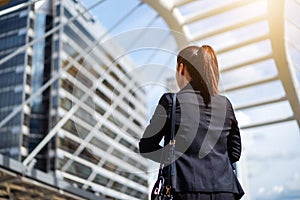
202	65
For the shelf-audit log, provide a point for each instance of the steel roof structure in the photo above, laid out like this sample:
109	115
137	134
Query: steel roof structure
275	18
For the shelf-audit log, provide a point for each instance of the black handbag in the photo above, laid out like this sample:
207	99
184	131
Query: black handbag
163	189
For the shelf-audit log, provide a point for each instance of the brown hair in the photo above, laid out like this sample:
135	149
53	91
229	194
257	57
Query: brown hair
202	65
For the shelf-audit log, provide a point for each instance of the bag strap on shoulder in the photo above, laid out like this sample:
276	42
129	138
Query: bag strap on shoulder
171	166
172	140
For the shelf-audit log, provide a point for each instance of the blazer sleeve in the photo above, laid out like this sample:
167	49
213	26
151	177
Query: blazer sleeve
234	144
159	125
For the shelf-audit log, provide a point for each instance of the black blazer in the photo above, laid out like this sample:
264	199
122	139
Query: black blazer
207	141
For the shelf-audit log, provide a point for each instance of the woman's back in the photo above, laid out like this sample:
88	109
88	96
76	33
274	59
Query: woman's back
201	153
207	135
202	142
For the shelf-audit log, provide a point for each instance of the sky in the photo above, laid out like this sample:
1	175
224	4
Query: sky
271	154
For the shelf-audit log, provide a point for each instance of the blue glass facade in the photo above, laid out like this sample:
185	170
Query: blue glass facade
13	77
21	76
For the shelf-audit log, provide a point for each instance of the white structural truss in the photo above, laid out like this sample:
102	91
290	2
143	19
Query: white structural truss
275	17
244	41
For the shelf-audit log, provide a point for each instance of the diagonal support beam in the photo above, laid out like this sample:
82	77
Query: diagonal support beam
178	3
277	35
167	13
288	119
201	36
216	11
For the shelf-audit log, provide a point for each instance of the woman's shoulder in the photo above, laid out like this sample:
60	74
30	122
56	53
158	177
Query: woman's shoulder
227	103
222	98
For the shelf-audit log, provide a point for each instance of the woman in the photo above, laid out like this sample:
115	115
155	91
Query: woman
207	134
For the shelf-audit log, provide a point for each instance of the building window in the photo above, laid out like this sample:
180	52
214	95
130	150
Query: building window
99	144
26	120
103	96
110	166
101	180
79	170
88	156
108	132
67	145
123	112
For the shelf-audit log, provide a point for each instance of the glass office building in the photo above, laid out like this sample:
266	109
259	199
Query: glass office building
17	29
93	104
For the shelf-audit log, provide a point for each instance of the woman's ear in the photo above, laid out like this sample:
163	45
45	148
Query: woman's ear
181	69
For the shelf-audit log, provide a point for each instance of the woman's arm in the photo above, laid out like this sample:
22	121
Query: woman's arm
155	131
234	144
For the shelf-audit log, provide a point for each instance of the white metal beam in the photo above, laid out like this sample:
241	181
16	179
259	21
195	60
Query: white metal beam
262	103
202	15
17	7
178	3
202	35
167	13
277	36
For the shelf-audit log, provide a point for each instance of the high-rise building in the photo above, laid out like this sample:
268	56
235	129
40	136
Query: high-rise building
17	29
93	105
